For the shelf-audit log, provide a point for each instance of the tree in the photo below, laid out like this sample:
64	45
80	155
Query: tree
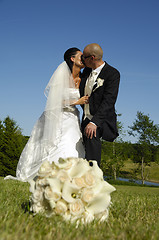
147	134
113	154
143	155
1	134
1	145
156	154
12	143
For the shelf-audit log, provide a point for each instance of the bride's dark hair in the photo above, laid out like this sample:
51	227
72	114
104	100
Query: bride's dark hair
68	54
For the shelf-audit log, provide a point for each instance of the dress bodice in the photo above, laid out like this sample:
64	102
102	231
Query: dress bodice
72	92
74	95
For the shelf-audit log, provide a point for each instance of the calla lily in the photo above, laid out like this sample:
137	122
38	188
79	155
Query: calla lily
32	186
102	187
55	184
108	188
79	169
96	170
98	187
69	192
53	191
51	195
62	163
99	204
66	163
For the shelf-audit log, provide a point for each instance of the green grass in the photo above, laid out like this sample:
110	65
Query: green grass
134	215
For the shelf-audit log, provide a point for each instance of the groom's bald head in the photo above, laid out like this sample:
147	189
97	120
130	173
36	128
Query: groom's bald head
95	50
92	55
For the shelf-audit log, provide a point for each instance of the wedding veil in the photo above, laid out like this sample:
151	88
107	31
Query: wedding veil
46	133
59	98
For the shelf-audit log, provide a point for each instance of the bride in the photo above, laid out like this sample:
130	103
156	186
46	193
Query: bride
57	132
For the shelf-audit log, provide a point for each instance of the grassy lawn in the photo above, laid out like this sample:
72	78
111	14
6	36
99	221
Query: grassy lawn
134	215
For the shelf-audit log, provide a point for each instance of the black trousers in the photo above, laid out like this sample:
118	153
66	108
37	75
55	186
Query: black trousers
92	146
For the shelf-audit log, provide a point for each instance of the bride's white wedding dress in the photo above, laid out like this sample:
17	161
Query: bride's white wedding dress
69	145
57	133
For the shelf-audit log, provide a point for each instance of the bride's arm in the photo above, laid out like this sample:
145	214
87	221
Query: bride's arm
81	101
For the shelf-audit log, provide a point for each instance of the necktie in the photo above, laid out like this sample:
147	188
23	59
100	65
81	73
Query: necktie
90	82
88	89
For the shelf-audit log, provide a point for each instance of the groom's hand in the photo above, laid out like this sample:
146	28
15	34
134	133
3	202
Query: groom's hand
90	130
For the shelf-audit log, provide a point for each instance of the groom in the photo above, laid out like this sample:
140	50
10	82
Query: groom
100	82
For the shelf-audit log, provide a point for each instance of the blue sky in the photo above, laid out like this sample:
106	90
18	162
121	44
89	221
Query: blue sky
34	35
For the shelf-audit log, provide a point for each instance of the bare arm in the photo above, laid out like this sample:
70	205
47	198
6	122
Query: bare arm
81	101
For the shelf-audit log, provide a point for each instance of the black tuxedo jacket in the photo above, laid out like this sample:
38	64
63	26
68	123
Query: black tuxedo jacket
102	100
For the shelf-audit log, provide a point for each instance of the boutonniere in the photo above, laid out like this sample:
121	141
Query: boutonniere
99	83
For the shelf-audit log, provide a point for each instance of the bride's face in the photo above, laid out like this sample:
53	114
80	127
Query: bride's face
77	60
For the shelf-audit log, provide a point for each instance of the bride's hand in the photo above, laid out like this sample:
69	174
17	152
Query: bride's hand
83	100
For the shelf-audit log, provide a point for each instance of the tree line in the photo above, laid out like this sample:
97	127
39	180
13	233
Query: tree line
144	151
12	143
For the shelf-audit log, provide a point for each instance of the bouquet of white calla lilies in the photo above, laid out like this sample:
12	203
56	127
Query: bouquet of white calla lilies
73	188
